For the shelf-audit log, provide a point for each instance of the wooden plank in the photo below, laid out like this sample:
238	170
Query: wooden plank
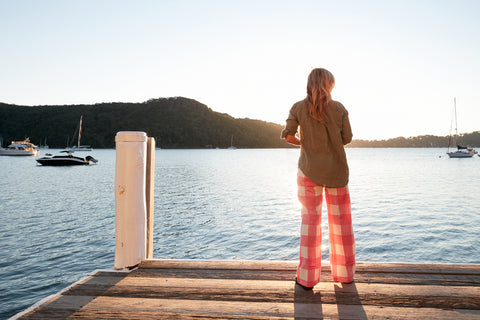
109	306
370	277
219	265
283	291
247	296
405	268
283	285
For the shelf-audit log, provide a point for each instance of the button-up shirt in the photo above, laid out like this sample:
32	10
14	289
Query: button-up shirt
322	153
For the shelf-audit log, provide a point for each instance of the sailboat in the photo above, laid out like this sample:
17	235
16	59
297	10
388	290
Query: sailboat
231	144
461	152
69	159
79	147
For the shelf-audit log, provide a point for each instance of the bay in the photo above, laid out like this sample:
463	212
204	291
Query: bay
58	224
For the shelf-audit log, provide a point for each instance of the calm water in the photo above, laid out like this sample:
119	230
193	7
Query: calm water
57	224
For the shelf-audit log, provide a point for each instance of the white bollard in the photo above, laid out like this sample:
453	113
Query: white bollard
130	206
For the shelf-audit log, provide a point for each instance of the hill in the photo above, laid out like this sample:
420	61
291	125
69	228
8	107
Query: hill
174	122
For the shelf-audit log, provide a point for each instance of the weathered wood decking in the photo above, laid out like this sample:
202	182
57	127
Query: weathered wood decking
167	289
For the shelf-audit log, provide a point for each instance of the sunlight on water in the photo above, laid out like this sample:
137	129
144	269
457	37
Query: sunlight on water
57	224
403	202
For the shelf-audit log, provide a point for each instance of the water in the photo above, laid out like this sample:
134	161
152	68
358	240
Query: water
57	224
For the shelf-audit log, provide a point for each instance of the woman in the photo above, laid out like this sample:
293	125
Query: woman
322	166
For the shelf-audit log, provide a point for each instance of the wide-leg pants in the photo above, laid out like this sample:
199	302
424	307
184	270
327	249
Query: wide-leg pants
341	238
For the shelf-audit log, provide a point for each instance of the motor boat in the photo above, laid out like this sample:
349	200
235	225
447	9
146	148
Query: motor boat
20	148
66	160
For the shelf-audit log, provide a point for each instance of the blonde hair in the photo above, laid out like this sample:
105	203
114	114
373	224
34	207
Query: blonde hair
319	87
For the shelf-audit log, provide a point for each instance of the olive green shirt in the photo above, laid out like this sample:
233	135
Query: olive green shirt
322	154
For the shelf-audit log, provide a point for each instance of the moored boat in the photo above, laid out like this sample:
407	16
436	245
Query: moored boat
66	160
20	148
79	147
461	152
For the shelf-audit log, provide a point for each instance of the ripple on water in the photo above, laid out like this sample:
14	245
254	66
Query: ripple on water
407	206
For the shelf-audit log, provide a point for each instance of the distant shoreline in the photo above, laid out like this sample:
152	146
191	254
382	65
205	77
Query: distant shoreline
175	123
426	141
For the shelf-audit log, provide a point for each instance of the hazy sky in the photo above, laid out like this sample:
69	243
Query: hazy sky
398	64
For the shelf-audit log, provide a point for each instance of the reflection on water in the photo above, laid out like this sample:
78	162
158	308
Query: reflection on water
57	224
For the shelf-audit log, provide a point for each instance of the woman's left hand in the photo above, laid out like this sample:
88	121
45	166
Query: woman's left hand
292	140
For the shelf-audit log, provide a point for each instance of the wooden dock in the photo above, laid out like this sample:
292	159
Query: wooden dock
191	289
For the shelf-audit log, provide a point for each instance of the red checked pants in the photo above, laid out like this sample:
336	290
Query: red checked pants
341	238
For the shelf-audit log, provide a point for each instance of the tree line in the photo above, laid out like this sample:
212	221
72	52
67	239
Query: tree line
425	141
176	122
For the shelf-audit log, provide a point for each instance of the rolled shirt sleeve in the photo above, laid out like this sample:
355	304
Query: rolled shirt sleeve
346	129
292	125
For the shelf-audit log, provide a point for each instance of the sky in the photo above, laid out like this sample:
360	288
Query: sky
398	65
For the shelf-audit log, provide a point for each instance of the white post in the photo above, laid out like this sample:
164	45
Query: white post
130	205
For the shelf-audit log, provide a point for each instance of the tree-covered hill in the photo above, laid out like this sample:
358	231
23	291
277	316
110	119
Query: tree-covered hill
174	122
427	141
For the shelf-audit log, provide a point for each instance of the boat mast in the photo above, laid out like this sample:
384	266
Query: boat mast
456	127
79	132
451	125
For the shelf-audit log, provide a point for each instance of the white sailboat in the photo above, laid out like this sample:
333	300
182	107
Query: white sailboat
461	152
79	147
231	144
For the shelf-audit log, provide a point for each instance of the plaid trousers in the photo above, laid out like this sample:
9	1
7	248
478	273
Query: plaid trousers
341	238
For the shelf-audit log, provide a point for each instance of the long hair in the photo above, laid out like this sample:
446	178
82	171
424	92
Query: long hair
319	86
